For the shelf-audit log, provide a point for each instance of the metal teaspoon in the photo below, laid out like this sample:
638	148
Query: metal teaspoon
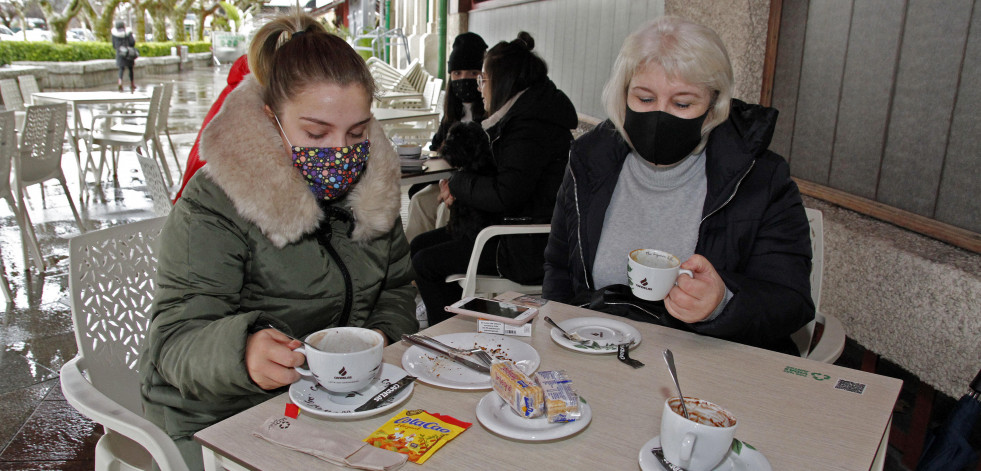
669	359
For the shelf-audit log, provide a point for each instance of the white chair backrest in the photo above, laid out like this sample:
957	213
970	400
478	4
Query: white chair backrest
802	338
10	92
42	141
816	220
8	147
163	112
153	112
111	278
28	87
434	88
154	182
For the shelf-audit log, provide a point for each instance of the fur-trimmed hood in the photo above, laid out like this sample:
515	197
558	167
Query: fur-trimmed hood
121	34
246	159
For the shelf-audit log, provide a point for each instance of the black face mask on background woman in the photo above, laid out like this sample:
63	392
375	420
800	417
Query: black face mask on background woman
465	89
663	138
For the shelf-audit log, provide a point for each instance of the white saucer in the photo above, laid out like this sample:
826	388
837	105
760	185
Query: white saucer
435	369
746	458
313	399
604	334
498	417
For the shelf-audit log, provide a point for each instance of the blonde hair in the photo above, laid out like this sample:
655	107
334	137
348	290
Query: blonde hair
685	50
293	50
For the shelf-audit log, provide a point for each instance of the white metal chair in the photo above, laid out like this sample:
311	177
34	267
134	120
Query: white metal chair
28	87
39	160
13	101
832	341
8	147
487	285
111	278
154	182
160	124
105	137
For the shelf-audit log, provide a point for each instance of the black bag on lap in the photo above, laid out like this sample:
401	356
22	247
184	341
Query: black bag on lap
619	301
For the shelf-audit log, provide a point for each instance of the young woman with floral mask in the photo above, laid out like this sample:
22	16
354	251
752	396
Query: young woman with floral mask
683	167
292	226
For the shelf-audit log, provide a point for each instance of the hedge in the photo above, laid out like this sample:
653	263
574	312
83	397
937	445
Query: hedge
83	51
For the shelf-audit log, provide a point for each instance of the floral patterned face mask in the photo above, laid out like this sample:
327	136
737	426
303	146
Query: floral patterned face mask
330	171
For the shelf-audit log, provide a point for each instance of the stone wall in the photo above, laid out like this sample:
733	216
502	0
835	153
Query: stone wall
909	298
94	73
742	27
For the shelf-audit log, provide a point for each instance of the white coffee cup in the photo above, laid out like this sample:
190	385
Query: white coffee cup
699	444
652	273
346	358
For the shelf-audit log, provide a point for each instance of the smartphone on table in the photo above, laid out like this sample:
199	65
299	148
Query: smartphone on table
492	309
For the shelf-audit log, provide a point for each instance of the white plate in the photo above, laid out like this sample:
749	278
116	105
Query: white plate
498	417
435	369
315	400
746	459
604	333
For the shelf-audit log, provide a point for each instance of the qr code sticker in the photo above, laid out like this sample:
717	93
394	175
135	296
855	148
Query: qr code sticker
850	386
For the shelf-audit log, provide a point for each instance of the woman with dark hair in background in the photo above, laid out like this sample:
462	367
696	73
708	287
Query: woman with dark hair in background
461	104
529	126
292	227
122	41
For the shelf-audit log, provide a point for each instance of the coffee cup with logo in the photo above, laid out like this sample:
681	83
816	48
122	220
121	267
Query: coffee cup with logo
652	273
701	442
344	359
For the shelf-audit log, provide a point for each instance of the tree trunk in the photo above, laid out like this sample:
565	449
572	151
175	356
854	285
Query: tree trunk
103	23
140	11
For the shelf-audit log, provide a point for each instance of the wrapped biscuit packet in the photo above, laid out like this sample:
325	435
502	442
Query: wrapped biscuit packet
561	401
518	390
416	433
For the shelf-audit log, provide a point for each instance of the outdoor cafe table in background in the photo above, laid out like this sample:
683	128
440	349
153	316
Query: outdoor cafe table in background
436	169
80	99
388	99
797	412
396	115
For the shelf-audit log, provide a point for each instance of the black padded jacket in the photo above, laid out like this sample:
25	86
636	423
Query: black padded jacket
753	229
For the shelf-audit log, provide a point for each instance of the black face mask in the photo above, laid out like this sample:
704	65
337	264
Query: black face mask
663	138
465	89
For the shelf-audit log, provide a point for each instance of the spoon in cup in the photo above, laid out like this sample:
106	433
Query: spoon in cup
669	359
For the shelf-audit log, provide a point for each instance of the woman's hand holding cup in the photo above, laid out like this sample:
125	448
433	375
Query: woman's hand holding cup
694	298
270	359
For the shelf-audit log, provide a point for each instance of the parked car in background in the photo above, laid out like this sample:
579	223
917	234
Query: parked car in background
80	34
38	35
6	34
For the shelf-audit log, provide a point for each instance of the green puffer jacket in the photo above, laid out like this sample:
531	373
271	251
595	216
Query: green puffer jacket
247	244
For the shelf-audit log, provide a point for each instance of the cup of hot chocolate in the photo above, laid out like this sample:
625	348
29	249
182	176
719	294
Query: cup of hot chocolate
343	359
652	273
701	441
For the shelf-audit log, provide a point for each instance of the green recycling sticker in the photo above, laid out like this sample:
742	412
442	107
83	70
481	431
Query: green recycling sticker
802	372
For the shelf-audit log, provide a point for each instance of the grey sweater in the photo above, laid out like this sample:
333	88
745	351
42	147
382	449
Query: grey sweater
652	208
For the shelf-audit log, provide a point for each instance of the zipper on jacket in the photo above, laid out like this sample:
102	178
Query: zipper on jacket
731	196
324	236
575	194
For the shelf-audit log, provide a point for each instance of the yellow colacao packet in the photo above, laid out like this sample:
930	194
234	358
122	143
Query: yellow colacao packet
415	433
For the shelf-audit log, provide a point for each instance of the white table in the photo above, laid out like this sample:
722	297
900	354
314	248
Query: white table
398	116
436	170
388	99
787	407
80	99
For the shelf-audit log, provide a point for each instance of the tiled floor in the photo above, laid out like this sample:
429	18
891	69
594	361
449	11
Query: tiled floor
40	431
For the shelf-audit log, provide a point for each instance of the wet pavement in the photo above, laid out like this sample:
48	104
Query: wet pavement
38	428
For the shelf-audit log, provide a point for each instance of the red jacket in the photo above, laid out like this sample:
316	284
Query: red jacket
238	72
